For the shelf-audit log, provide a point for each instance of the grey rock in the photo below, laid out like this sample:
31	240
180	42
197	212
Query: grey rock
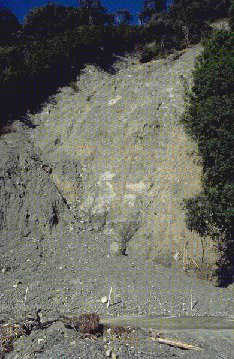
29	200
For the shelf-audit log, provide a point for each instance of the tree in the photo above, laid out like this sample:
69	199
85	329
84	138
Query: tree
156	5
151	8
8	25
50	20
90	4
199	10
188	12
123	16
94	12
231	16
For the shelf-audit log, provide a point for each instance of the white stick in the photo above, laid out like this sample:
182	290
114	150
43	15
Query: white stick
108	303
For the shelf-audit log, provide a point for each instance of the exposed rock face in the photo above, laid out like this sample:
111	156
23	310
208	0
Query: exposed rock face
122	160
30	202
115	154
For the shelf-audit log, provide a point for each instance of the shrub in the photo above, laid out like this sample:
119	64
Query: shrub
214	69
231	15
50	20
208	119
8	26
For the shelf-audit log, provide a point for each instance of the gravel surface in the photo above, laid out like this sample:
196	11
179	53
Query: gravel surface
76	273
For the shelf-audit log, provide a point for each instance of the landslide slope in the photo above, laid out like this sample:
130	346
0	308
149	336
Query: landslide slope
135	161
103	173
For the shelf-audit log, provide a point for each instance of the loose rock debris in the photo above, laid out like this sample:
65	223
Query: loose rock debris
88	324
9	332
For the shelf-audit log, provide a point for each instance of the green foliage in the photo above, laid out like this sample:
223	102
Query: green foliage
119	39
150	52
182	26
199	10
41	56
231	16
88	4
211	212
11	65
93	13
127	37
218	9
153	50
123	17
63	50
187	18
12	71
199	214
209	120
214	70
151	9
156	30
187	12
210	126
52	19
8	26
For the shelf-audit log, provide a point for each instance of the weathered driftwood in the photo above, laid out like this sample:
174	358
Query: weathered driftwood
156	323
171	323
176	343
92	324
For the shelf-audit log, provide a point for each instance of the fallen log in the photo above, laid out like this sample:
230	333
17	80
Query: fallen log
173	323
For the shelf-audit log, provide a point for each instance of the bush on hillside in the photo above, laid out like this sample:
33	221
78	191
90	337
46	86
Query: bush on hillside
198	10
158	37
217	9
54	41
181	27
9	24
12	71
50	20
36	65
231	15
127	36
215	68
209	120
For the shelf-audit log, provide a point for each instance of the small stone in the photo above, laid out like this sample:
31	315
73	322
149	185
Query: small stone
108	353
104	299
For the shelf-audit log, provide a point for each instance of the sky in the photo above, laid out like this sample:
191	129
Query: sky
21	7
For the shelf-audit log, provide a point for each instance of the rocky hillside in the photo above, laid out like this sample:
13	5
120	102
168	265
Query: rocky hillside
91	200
120	159
109	153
